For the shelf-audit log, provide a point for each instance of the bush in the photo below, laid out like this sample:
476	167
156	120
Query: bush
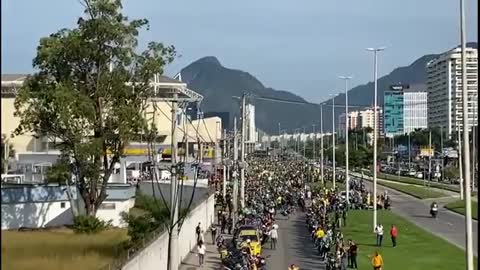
89	224
139	227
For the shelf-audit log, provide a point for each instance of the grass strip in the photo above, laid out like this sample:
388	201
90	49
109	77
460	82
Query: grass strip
459	207
60	249
417	249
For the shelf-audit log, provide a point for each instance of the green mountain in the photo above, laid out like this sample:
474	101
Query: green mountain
219	85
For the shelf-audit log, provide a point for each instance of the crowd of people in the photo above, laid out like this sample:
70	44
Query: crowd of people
281	187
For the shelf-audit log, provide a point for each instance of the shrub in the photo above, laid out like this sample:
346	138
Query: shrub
89	224
139	226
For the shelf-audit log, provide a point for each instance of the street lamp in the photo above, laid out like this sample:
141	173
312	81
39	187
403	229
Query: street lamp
321	143
347	128
375	130
466	143
333	139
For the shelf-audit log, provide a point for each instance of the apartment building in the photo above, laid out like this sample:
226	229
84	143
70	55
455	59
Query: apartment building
367	119
353	118
444	84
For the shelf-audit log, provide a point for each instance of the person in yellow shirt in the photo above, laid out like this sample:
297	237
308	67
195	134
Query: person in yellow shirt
293	267
377	261
319	235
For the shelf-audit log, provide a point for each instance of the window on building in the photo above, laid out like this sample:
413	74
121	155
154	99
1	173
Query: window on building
62	205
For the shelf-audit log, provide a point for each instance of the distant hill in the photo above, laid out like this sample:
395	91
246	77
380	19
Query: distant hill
219	84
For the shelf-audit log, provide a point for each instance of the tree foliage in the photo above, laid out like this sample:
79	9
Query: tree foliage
79	95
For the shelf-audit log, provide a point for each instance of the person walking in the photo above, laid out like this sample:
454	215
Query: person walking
201	249
197	232
353	255
377	261
214	233
273	234
379	233
343	259
393	234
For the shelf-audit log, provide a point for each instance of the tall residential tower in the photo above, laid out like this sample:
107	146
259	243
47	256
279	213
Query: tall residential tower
444	83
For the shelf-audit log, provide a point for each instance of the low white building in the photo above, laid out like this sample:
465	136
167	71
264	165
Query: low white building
40	206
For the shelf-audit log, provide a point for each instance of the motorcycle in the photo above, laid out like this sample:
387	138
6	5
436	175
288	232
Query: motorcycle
434	212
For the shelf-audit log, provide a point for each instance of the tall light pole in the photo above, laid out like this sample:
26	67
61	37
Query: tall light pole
279	142
460	163
375	131
174	205
242	157
347	128
235	171
321	143
224	187
304	144
314	141
409	154
466	143
333	140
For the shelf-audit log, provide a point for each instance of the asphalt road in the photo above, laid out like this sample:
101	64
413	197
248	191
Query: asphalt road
294	246
448	225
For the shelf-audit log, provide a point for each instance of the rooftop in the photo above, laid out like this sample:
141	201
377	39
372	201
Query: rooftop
164	88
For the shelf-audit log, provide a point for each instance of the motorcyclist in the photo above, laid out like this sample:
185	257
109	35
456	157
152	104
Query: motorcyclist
434	209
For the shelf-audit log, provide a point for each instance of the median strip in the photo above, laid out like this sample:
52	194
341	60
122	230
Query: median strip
459	207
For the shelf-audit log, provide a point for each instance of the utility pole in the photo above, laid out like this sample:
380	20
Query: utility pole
174	206
279	141
375	131
474	139
430	150
235	171
409	153
242	158
304	144
333	140
314	142
186	136
224	137
347	128
460	164
466	143
321	143
441	152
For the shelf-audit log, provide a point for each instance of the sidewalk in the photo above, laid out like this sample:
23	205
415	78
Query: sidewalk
212	257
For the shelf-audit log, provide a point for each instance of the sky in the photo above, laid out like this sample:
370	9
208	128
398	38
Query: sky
300	46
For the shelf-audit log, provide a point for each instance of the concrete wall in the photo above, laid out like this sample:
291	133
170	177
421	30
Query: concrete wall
51	214
36	215
47	206
154	256
115	214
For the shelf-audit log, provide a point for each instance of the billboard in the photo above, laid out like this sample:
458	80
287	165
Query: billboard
426	151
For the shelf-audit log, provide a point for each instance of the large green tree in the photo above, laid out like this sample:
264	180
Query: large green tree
80	96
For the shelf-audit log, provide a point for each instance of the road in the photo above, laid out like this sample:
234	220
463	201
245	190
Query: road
294	246
448	225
